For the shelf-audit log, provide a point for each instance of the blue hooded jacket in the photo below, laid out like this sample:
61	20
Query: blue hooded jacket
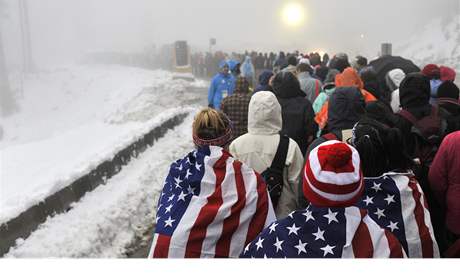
221	86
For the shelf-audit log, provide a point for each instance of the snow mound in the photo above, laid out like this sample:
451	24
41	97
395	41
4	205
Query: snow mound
109	219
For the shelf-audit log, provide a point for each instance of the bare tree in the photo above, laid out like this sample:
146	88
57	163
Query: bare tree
7	103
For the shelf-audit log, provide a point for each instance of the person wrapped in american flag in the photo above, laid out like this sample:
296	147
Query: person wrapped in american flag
211	205
331	226
392	194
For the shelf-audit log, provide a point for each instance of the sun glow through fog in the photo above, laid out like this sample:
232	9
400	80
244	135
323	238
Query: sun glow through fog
293	14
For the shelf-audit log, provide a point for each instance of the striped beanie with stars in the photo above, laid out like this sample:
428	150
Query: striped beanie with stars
332	175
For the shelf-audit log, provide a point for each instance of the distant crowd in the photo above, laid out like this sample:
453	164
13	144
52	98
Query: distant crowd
303	155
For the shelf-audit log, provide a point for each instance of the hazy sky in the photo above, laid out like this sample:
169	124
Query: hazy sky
60	27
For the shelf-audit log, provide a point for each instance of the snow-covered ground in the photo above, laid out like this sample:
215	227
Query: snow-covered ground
438	42
109	219
72	118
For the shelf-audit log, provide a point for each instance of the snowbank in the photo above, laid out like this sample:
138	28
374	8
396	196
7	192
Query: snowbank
74	118
110	218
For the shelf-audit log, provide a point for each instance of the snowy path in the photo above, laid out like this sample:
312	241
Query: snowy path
114	216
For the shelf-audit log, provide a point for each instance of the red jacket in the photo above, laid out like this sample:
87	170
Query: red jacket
444	179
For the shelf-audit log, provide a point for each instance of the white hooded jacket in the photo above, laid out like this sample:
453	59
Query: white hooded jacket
258	147
396	76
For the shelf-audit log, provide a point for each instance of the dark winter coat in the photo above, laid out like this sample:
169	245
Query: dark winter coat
346	107
297	111
414	95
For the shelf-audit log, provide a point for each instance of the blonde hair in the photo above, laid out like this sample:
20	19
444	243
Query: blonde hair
210	124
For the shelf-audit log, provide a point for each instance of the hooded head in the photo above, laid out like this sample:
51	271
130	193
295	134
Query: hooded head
394	78
346	107
232	64
414	91
448	90
264	78
264	114
224	67
447	74
286	85
349	78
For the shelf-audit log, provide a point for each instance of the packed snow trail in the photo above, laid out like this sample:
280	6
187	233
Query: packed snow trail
114	216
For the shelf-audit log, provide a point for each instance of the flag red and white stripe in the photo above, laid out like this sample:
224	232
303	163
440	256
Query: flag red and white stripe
230	209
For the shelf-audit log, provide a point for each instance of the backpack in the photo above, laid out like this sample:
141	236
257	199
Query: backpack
428	133
273	175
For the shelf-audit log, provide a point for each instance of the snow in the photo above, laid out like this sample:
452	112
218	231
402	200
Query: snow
109	219
438	42
73	118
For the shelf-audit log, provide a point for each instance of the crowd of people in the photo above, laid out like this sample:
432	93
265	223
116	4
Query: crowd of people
305	156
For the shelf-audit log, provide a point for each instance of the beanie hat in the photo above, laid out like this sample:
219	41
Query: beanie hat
414	91
448	90
431	71
333	176
447	74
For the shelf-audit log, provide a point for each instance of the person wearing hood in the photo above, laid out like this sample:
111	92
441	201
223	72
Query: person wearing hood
393	80
297	112
258	147
234	67
346	107
248	71
348	78
331	226
448	95
264	80
414	93
415	103
310	86
328	89
222	85
385	163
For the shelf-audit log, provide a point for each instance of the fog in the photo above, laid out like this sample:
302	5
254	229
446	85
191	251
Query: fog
65	29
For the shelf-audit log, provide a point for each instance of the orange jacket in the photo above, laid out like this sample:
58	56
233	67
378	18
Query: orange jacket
349	78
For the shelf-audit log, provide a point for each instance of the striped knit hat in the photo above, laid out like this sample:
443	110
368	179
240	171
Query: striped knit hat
332	175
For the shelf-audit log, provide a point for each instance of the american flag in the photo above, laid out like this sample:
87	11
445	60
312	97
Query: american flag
211	206
396	203
319	232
